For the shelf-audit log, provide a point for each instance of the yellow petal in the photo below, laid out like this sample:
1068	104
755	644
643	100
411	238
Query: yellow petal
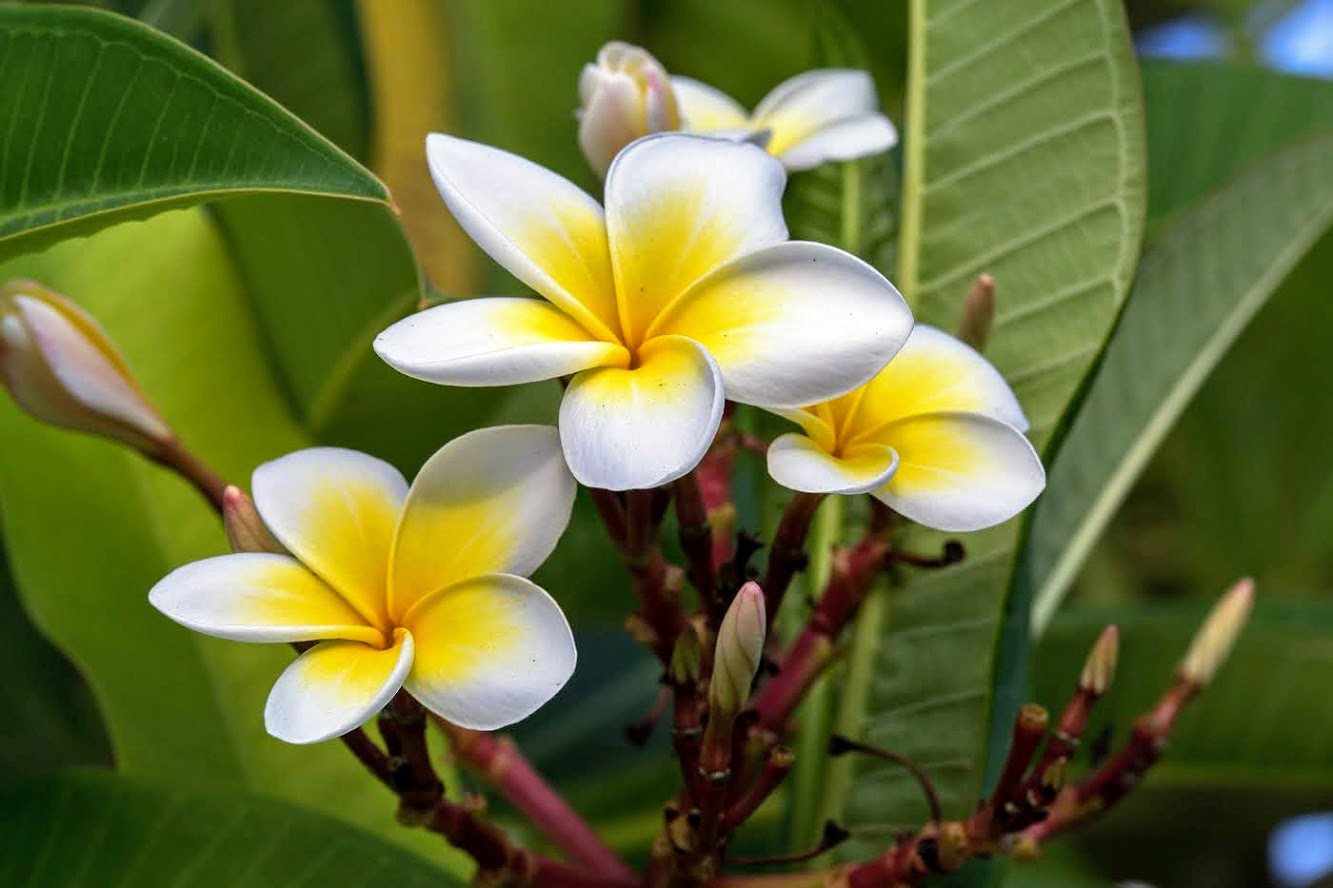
336	510
489	651
253	596
334	687
932	372
492	501
679	206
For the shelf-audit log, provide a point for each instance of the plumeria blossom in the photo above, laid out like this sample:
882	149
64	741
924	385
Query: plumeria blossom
682	293
937	435
420	587
627	94
815	117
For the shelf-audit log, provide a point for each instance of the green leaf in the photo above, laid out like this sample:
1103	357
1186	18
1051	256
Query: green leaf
106	119
1023	159
1198	287
90	828
1256	726
51	719
90	527
262	42
1208	121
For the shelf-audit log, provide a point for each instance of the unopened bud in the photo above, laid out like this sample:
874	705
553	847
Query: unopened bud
978	313
740	647
685	657
1217	636
1099	670
246	531
627	94
59	366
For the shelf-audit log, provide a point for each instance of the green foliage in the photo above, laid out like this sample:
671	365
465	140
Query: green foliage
121	122
1024	159
92	829
90	527
1197	288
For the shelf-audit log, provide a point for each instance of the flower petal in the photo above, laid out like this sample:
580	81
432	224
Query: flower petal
796	108
490	651
540	226
841	140
798	463
793	324
933	372
960	471
334	687
640	428
255	596
677	207
335	510
704	109
498	341
492	501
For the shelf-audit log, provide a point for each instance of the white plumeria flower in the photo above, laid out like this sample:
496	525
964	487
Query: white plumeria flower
815	117
420	588
684	292
627	94
937	436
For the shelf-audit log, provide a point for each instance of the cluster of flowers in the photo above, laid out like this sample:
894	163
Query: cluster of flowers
678	293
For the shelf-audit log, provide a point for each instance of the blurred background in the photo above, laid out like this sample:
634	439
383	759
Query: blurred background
1243	484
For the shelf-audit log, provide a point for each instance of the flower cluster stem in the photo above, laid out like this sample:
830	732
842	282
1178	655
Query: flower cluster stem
787	555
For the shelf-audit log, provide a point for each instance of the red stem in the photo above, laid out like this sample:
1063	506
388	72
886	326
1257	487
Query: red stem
498	761
787	556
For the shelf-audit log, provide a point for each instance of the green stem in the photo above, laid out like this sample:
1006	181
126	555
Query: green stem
914	156
871	623
815	715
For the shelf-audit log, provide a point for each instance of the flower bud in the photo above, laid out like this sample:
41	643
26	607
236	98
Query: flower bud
246	531
61	368
1099	669
740	647
1218	634
627	94
685	657
974	325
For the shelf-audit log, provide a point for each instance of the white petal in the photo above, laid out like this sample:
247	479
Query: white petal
492	501
495	341
960	471
489	651
253	596
841	140
704	109
334	687
934	372
335	510
540	226
798	463
811	101
613	116
640	428
678	207
793	324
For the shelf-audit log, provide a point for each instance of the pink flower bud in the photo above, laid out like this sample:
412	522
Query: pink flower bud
740	647
246	531
627	94
60	367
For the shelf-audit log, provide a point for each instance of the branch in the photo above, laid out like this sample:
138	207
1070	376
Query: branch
498	761
787	555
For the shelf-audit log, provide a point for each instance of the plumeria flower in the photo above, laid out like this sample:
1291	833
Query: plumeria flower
420	588
937	436
627	94
684	292
815	117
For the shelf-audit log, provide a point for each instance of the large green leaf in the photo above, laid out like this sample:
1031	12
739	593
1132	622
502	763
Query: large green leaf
1024	160
89	527
259	41
1198	287
106	119
95	829
1257	725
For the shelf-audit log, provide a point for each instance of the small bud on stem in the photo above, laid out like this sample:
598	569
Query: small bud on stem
978	316
246	531
1215	639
